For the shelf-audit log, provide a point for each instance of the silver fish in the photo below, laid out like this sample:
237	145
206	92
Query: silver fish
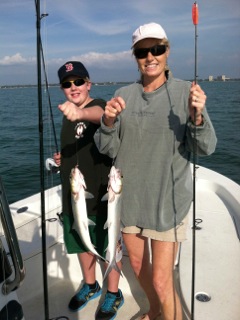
113	220
79	208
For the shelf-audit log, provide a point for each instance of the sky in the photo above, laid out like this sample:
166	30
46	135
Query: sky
98	33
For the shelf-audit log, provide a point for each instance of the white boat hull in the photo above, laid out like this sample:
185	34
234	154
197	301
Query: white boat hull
217	258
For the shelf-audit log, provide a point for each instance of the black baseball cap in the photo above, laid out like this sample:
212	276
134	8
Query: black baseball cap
72	68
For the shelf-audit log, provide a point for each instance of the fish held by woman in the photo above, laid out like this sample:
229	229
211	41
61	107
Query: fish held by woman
79	208
114	196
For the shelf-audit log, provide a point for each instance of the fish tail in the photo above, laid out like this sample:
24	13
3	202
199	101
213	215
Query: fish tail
108	270
116	267
111	266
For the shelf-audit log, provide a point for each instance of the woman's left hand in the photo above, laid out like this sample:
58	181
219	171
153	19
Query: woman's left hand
197	100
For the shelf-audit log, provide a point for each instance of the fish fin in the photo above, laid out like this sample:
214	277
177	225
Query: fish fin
105	197
107	225
91	223
88	195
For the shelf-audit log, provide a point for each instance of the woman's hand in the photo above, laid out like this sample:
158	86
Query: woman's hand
197	101
113	108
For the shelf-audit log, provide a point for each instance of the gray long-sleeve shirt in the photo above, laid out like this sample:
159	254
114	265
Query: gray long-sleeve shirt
152	140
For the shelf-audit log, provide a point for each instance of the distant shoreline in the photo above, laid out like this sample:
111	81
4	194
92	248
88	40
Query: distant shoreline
101	83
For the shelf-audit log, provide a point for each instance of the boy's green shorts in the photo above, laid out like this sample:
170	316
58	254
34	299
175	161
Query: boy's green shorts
99	235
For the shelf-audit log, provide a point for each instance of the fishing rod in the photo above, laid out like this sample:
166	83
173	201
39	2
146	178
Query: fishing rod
195	22
41	149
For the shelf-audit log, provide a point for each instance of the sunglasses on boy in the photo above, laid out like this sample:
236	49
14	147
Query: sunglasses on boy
77	83
157	50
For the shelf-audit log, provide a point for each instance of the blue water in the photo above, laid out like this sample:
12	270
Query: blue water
19	135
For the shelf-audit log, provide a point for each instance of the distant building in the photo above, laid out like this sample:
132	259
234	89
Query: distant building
223	78
219	78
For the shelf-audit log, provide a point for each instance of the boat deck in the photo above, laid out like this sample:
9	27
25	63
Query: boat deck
217	259
217	270
61	290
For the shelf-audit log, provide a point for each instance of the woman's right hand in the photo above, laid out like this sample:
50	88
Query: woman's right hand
113	108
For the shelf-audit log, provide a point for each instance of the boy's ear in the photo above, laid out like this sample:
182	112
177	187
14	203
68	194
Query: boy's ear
89	85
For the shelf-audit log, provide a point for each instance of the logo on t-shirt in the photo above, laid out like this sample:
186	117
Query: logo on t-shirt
79	129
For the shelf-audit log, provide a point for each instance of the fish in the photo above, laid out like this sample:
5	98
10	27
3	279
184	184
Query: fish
79	208
113	196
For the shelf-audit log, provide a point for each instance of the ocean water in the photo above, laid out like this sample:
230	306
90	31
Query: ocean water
19	135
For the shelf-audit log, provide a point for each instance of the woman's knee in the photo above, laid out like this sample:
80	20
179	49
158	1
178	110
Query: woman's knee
136	265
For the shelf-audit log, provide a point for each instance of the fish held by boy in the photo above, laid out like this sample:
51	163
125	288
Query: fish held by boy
113	220
79	208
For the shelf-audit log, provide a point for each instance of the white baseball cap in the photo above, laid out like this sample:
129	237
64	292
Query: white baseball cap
149	30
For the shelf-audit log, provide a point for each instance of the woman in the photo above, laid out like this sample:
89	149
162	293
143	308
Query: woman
149	127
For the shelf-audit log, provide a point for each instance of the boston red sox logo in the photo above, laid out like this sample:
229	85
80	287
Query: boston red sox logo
69	67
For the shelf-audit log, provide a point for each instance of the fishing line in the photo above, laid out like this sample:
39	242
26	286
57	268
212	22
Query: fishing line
49	163
48	95
195	22
44	15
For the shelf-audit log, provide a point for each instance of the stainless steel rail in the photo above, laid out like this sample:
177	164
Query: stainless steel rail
13	245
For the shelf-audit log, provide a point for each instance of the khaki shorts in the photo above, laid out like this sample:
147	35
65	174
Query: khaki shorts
177	234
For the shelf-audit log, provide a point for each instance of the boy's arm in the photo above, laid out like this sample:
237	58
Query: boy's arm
73	113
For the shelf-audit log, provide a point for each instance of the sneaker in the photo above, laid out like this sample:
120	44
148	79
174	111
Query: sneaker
110	306
85	294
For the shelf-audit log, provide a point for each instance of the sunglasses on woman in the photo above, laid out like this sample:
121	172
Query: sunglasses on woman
157	50
77	83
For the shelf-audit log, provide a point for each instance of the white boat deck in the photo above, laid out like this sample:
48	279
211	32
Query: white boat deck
217	259
217	248
64	280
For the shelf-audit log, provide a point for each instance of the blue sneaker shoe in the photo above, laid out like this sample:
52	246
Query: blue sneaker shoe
85	294
110	306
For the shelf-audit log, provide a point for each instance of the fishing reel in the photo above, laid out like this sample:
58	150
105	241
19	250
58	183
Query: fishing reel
51	166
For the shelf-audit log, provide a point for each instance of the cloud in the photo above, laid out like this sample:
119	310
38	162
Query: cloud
99	33
15	59
98	60
106	60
